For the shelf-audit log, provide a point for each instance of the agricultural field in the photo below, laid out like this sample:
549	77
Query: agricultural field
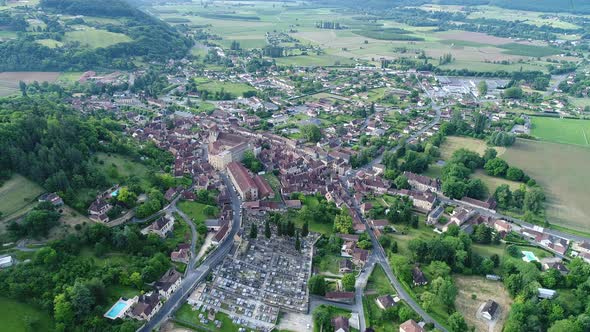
17	196
95	38
20	317
558	169
9	80
361	42
473	292
454	143
566	131
236	89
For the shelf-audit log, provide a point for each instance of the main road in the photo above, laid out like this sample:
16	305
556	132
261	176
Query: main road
195	276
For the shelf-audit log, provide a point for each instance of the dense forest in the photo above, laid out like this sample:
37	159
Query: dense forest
152	39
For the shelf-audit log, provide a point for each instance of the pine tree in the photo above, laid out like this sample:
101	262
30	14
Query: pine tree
305	229
253	231
297	242
267	229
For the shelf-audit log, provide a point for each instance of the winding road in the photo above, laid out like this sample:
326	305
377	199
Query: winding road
194	276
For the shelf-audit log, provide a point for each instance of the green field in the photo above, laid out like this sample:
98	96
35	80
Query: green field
20	317
186	315
236	89
51	43
560	169
118	167
195	210
566	131
530	50
17	195
96	38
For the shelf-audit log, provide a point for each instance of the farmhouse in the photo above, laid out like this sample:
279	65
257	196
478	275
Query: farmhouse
168	283
422	183
386	301
162	226
418	277
52	198
490	309
147	305
410	326
340	324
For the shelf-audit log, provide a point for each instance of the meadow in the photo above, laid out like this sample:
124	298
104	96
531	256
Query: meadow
236	89
566	131
95	38
483	290
18	195
9	80
559	169
17	317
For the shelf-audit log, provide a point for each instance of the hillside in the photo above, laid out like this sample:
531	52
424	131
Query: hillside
109	34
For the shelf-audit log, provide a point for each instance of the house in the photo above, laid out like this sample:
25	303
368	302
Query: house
147	305
340	324
410	326
359	256
168	283
418	277
386	301
212	224
422	183
6	261
182	254
379	223
346	297
435	215
242	181
220	235
559	266
365	208
347	248
293	203
52	198
170	194
490	309
98	210
502	226
162	226
489	204
345	266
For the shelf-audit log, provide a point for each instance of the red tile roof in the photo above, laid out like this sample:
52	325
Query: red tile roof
240	174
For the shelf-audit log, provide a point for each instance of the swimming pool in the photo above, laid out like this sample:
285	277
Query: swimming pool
115	193
118	309
529	257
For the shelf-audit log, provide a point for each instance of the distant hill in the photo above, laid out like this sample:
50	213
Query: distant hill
572	6
151	39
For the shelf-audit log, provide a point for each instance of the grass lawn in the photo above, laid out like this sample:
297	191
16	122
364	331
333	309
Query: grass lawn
17	195
566	131
69	77
454	143
114	292
95	38
234	88
118	167
379	283
329	263
186	315
196	210
108	259
13	316
493	182
181	232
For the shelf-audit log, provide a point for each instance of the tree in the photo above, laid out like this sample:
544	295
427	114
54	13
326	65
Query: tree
267	232
297	241
305	228
457	323
253	231
343	222
311	133
565	325
126	197
322	316
401	182
496	167
533	200
82	300
489	154
427	299
349	281
136	280
317	285
482	88
513	93
514	174
503	196
445	291
483	234
481	120
62	309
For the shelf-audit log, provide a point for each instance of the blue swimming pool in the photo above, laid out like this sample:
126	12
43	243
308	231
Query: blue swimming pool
115	193
529	256
115	310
